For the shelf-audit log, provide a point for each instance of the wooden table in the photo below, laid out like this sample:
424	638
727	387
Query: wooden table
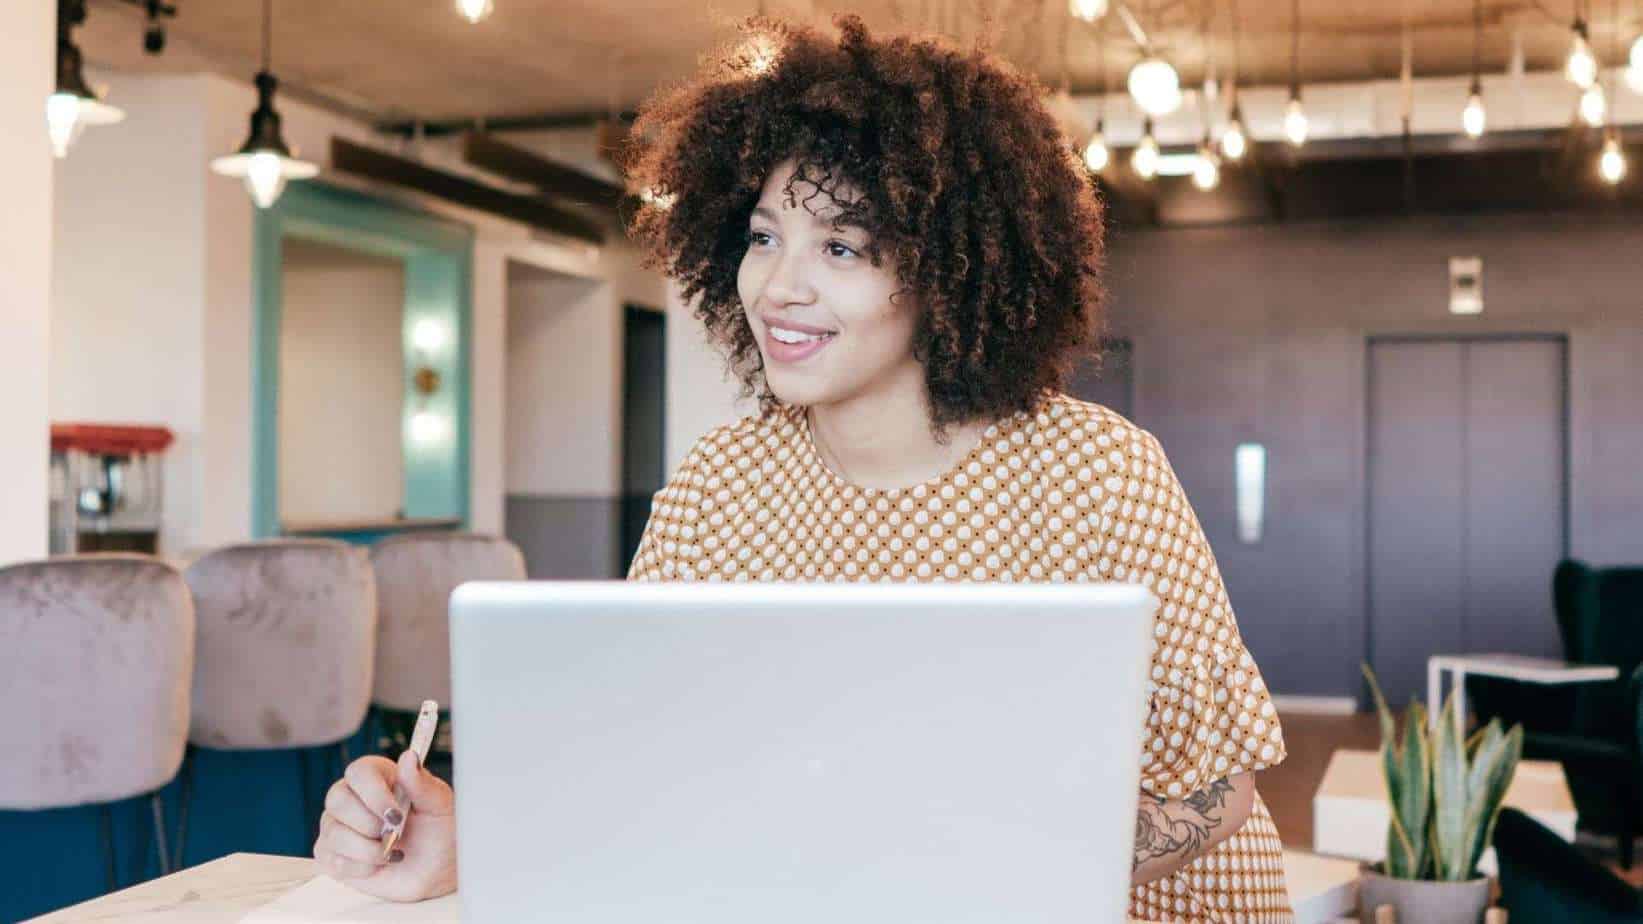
218	892
224	891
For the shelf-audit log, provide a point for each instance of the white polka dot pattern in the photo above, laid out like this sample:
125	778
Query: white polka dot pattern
1072	492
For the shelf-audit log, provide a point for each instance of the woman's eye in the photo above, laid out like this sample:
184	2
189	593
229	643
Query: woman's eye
757	238
837	249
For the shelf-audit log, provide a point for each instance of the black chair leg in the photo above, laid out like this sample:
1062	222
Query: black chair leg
159	833
105	825
185	791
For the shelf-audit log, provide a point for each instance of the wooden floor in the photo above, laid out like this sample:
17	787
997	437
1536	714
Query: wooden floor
1288	788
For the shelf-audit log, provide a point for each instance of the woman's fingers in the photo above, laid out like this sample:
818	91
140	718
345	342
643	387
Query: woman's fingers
342	804
340	867
343	841
372	780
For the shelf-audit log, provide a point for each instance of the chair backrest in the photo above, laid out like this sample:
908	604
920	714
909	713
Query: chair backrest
415	576
1568	587
96	654
1544	878
286	644
1612	634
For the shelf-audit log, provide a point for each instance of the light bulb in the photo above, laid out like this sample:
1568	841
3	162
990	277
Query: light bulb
1295	124
1581	68
63	121
264	178
1593	106
1206	174
427	427
1233	141
1636	57
68	114
1611	164
1088	10
475	10
1145	159
1096	155
428	335
1155	86
1473	118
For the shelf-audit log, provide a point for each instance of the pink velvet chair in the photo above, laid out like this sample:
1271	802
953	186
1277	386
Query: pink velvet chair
96	656
285	651
416	574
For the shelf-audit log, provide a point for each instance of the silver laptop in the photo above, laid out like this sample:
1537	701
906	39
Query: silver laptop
632	753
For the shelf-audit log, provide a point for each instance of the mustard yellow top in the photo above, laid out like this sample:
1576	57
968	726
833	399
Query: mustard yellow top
1071	492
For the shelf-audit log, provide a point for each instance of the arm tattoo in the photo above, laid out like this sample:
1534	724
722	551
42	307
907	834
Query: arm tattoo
1160	832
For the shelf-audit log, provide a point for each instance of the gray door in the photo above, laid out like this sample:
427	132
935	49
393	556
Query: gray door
1466	500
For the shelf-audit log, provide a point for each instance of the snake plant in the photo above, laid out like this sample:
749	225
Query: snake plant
1445	789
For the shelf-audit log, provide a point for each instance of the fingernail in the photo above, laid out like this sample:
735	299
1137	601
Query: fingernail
396	856
394	817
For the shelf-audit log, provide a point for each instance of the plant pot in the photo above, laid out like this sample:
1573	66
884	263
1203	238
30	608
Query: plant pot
1422	902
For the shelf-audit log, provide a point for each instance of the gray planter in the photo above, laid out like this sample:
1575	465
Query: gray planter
1421	902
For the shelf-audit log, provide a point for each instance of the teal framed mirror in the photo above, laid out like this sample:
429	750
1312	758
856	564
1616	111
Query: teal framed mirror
436	332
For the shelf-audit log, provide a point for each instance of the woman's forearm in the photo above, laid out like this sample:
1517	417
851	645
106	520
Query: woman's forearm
1169	834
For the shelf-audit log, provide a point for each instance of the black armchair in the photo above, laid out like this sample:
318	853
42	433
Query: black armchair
1592	729
1543	878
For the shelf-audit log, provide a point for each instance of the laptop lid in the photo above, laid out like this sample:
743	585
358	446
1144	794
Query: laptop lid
751	753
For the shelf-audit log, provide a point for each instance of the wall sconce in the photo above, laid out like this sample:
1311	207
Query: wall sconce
1249	462
427	426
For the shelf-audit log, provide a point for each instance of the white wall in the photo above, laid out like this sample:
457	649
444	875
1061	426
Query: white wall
129	283
701	392
204	341
342	385
27	49
564	379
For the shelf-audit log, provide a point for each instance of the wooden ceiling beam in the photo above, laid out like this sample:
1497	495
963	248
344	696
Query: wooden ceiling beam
384	167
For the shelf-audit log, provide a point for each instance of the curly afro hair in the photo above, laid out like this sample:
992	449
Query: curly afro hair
966	184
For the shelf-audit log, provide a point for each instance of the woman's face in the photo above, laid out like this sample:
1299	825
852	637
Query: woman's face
819	309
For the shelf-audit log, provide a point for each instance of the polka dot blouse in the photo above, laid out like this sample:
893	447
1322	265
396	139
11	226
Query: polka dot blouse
1070	492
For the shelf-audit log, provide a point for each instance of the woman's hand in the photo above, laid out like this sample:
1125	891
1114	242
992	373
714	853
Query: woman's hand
360	807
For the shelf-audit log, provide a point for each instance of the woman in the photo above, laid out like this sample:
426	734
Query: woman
900	255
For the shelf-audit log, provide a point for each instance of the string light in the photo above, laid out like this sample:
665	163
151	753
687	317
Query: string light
1234	140
1473	118
1096	153
1144	161
1087	10
1295	122
1611	164
475	10
1593	105
1206	174
1155	86
1581	66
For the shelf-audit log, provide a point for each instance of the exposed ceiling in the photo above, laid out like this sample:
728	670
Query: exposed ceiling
404	59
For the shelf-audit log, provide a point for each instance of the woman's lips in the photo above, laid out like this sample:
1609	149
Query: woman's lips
793	352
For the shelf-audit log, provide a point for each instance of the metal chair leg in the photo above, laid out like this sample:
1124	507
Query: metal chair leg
159	832
105	818
186	791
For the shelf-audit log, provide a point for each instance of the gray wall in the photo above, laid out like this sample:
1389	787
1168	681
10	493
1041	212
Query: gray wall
566	538
1259	333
